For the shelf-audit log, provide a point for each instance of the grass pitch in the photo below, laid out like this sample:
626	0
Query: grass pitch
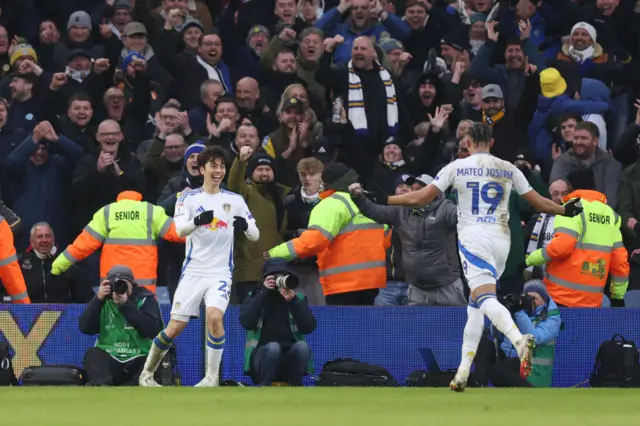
49	406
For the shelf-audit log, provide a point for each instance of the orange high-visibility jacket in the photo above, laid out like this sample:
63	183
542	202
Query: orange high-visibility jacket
10	272
350	246
127	231
584	251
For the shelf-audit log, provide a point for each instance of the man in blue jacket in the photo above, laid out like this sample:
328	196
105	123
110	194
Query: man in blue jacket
376	23
497	361
553	103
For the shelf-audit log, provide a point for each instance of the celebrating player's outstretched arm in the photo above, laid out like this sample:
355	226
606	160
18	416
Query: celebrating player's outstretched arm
545	205
418	198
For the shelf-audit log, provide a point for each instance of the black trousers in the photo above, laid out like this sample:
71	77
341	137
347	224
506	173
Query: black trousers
496	368
240	291
103	370
353	298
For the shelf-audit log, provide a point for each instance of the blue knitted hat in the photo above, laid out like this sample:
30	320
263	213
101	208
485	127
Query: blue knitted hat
195	148
536	286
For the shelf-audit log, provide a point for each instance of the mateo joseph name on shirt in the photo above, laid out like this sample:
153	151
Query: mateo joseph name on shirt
484	172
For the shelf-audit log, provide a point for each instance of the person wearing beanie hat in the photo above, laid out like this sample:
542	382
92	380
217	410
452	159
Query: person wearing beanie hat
477	32
389	167
133	320
583	47
276	348
21	52
252	175
122	15
79	20
261	168
453	45
258	39
364	269
389	44
536	313
190	33
79	30
189	178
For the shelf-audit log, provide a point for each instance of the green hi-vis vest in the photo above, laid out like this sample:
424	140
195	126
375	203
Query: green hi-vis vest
117	337
253	337
542	359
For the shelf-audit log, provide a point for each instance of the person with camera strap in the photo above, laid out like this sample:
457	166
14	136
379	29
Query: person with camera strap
277	318
534	312
126	317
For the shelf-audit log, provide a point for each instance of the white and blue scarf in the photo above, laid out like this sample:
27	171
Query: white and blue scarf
541	236
355	105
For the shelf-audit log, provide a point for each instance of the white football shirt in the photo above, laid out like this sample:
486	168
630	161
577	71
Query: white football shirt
482	184
209	248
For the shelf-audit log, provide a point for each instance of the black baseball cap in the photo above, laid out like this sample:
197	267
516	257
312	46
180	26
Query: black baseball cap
293	103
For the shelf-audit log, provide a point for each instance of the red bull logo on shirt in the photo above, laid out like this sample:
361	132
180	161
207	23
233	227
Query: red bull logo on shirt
217	224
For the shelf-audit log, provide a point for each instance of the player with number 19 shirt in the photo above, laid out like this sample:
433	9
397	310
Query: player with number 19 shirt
482	184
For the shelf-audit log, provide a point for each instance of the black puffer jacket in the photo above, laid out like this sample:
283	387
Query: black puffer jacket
73	286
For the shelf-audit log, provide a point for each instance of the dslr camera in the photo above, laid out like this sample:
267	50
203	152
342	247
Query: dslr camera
118	286
515	303
285	282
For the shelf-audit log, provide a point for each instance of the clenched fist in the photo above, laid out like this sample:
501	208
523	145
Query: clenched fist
245	153
355	189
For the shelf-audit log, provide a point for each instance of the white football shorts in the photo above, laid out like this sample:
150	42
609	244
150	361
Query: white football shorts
483	257
192	290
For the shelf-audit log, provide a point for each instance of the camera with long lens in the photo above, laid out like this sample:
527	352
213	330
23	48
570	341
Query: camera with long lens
119	286
285	282
515	303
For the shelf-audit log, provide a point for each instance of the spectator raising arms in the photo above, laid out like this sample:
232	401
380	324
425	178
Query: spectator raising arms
99	97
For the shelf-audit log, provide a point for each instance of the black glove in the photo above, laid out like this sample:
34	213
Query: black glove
377	197
617	303
204	218
572	208
240	223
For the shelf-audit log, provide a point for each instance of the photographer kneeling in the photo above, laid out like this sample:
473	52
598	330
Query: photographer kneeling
534	313
126	318
277	319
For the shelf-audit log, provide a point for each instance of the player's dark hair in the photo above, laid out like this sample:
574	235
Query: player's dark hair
589	127
210	155
480	133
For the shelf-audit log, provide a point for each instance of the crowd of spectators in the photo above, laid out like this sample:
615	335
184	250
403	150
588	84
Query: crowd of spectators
103	96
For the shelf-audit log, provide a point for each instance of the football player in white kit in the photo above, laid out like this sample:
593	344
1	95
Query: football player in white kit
482	184
208	217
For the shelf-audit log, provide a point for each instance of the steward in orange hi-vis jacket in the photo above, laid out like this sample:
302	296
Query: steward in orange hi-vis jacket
127	231
584	251
350	246
10	272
